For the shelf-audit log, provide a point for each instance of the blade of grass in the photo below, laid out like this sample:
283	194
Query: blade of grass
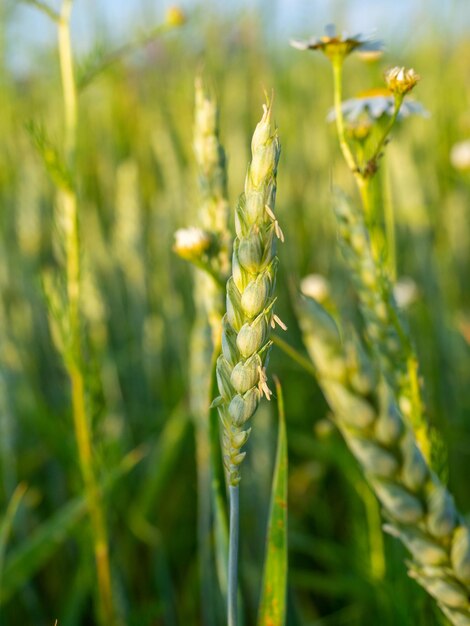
7	523
26	560
161	463
219	498
272	610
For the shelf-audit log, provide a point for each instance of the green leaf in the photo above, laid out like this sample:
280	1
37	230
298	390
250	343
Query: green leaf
218	493
272	610
26	560
7	522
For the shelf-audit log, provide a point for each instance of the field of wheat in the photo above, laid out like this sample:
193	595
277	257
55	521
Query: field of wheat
234	318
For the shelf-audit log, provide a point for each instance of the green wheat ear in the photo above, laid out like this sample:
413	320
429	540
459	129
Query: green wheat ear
386	332
241	374
419	509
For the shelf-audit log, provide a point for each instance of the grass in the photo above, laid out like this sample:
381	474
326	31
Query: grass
137	184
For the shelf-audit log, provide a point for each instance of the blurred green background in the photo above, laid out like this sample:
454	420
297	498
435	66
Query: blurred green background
137	185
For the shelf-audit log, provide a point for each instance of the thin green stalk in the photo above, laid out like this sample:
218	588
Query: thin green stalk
232	604
7	522
388	128
294	354
209	292
337	64
68	203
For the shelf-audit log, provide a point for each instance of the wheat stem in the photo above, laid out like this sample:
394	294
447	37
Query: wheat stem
232	590
208	294
81	419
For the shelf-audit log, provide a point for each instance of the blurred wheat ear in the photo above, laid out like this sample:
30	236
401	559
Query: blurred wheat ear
418	508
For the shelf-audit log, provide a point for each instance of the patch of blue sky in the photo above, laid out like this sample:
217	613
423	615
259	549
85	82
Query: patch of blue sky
399	22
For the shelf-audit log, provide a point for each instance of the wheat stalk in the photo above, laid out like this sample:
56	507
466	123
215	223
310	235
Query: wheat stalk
419	509
241	373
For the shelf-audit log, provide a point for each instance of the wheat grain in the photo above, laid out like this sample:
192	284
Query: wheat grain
241	373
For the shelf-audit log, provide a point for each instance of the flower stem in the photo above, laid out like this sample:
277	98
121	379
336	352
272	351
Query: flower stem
232	592
337	64
388	128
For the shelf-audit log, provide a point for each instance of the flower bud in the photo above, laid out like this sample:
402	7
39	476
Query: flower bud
175	16
400	81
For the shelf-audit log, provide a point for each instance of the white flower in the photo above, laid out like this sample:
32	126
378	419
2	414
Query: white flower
334	45
315	286
375	104
191	242
405	292
460	155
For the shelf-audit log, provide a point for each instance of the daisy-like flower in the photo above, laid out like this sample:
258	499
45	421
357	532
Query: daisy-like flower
315	286
460	155
338	47
405	292
400	80
191	243
374	104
